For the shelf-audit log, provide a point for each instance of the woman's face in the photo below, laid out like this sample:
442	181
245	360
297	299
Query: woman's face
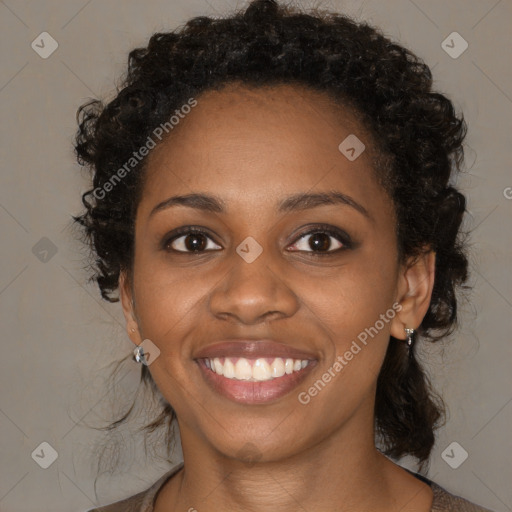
266	269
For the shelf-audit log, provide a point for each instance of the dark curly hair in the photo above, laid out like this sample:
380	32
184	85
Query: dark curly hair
415	129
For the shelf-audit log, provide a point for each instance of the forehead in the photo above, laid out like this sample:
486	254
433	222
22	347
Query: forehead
260	141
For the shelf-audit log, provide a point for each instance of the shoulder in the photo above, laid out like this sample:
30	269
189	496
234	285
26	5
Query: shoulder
446	502
142	501
131	504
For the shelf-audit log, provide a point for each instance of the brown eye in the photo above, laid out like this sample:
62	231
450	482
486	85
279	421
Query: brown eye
318	242
321	241
192	240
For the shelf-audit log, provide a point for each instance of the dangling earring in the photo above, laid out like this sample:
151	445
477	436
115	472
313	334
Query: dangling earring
138	354
410	337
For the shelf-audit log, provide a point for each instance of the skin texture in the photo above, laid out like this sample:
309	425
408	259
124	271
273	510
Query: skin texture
252	148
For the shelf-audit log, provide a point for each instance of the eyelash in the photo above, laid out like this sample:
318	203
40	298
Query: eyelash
338	234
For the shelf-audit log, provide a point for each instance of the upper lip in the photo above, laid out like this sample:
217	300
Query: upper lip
252	349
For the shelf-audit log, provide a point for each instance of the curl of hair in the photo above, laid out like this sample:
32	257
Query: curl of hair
415	129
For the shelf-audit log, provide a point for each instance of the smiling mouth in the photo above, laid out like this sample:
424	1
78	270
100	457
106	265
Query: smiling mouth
250	371
261	369
252	381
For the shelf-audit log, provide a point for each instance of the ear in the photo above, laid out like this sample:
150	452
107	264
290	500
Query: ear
127	301
416	281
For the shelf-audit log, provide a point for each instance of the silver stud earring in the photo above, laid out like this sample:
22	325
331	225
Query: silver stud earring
410	336
132	329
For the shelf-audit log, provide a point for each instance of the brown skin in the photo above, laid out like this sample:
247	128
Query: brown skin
252	148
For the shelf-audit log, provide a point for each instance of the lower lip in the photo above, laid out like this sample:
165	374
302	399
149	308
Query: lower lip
245	392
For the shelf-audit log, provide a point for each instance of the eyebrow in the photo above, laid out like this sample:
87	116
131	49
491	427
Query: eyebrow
301	201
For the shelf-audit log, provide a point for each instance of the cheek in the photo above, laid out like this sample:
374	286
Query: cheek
355	309
353	296
168	301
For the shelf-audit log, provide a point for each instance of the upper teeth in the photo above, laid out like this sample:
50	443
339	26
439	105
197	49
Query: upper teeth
254	369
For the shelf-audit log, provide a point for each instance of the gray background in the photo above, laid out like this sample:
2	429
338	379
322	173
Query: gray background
58	336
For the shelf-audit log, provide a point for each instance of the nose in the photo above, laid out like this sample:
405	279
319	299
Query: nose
253	292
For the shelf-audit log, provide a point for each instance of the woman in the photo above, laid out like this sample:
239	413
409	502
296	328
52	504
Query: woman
272	200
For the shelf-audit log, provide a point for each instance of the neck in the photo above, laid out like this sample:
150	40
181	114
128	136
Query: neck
334	475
